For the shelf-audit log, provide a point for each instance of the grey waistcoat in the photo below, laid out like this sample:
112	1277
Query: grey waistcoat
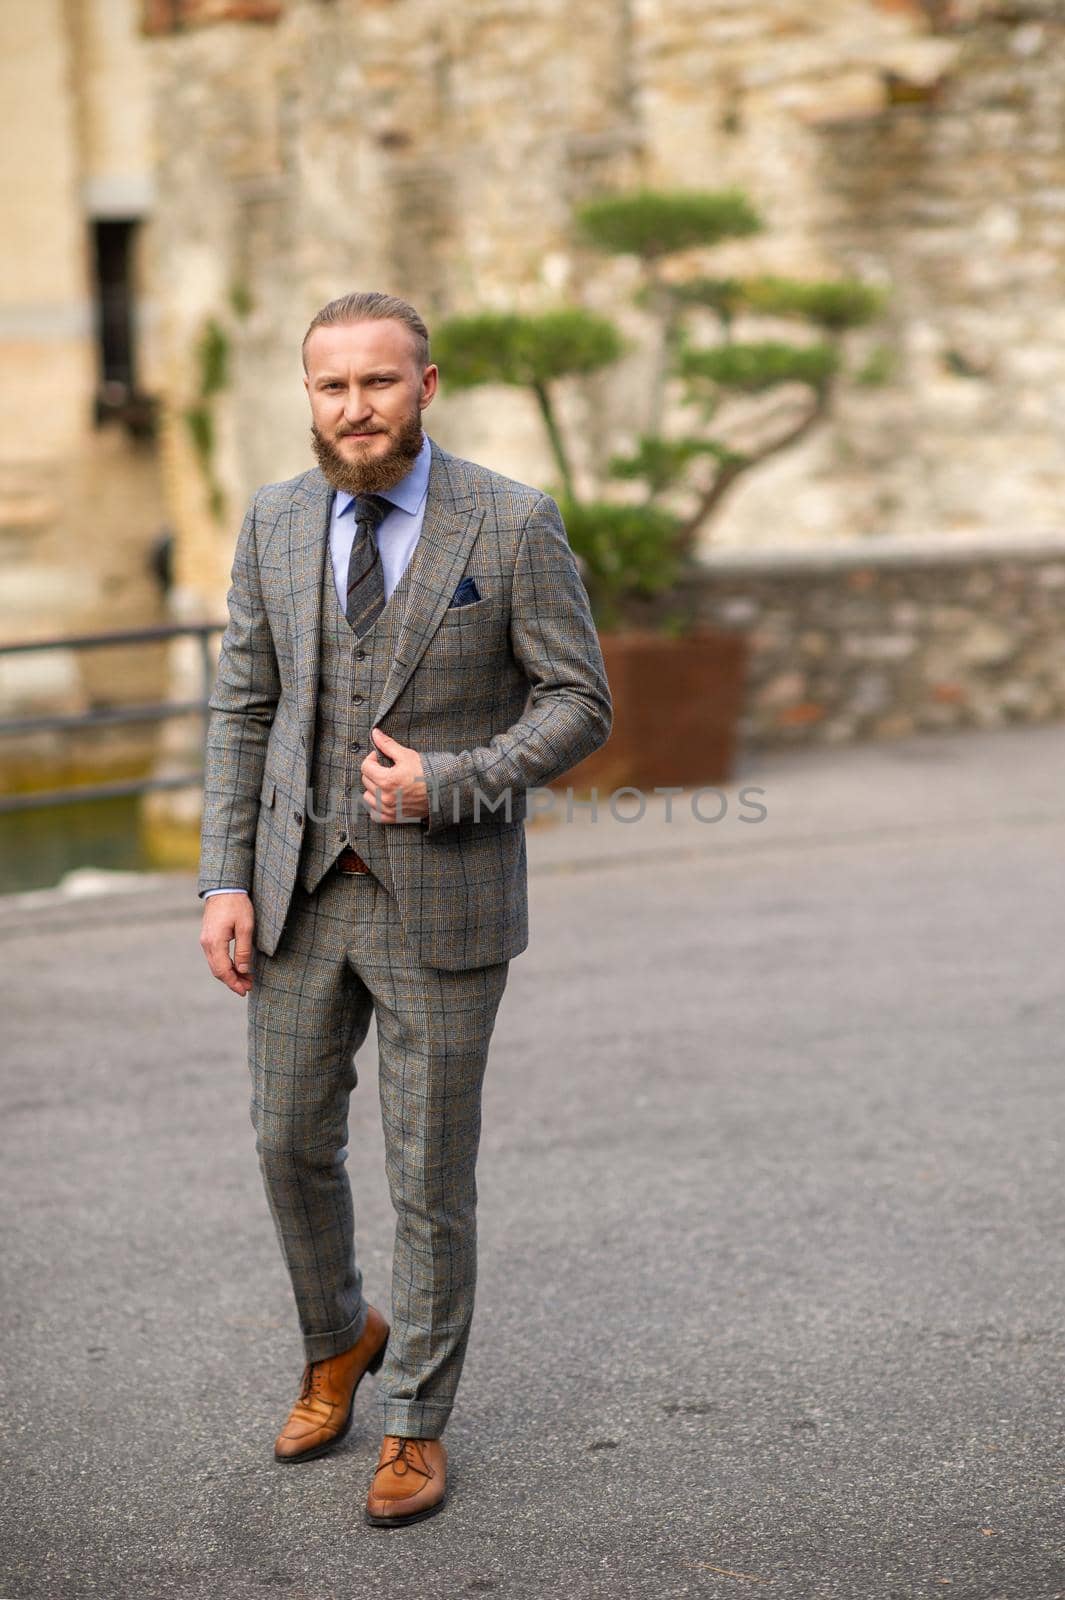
351	681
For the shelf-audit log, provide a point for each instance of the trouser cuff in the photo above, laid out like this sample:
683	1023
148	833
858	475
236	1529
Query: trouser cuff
320	1346
414	1419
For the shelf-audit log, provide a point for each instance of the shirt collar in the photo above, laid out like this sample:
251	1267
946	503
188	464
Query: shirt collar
409	492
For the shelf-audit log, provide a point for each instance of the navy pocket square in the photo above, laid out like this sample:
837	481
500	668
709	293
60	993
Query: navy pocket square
466	593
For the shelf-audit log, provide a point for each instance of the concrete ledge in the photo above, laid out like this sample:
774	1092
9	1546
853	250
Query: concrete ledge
932	550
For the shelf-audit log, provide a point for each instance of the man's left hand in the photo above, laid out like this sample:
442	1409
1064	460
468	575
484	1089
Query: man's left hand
397	793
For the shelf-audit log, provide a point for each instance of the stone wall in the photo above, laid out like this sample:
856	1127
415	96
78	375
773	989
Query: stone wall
895	638
81	502
438	152
81	505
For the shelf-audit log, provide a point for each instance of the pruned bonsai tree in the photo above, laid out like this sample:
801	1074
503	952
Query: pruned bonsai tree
532	352
683	461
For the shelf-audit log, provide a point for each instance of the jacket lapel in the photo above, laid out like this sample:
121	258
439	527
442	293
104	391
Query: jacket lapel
451	524
309	519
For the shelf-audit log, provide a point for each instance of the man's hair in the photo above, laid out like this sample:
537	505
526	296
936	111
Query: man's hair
371	305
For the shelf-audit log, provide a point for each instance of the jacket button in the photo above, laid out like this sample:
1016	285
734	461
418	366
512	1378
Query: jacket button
297	816
356	699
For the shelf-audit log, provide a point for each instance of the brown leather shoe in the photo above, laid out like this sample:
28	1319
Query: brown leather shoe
322	1415
409	1482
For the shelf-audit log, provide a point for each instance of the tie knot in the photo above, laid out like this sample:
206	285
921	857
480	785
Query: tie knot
371	508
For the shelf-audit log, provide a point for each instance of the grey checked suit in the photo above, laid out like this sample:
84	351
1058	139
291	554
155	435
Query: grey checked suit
497	696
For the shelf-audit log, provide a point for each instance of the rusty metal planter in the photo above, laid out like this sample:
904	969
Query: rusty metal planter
677	703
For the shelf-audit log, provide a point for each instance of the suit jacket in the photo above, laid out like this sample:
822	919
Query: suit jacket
497	696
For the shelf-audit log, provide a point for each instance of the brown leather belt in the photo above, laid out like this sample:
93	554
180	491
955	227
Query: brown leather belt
347	861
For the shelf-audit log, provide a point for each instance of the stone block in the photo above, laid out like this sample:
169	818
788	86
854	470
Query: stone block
175	16
897	725
817	645
872	692
837	730
948	693
801	715
844	97
880	647
1018	696
736	612
937	718
986	645
784	689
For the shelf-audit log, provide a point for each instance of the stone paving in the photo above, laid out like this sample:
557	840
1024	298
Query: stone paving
771	1292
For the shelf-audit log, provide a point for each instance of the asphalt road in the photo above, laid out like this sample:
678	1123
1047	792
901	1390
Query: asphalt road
771	1292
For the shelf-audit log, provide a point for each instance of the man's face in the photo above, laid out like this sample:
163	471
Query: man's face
367	397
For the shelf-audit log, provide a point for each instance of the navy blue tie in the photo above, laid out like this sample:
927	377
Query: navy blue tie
366	578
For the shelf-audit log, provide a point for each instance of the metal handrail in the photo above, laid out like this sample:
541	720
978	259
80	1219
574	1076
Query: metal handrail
109	716
82	641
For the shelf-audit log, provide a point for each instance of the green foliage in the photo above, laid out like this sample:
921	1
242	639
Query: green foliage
633	553
753	368
212	356
661	463
212	371
528	350
877	367
200	423
675	624
626	550
652	223
726	296
838	305
199	420
241	302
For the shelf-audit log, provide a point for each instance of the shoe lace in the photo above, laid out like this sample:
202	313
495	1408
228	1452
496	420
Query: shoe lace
311	1384
404	1461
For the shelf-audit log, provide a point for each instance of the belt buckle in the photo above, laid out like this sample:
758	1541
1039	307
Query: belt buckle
351	864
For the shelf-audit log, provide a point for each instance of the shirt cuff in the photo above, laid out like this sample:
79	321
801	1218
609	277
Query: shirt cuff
207	893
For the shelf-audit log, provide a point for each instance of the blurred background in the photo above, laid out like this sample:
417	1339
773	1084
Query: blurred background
769	294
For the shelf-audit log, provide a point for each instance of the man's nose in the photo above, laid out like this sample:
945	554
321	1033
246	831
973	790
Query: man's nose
356	406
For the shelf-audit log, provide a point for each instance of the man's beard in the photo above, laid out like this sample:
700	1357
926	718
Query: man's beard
376	473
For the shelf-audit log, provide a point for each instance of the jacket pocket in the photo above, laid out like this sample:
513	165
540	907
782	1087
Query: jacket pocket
471	611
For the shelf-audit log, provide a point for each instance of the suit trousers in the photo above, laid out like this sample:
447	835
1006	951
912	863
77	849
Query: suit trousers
343	957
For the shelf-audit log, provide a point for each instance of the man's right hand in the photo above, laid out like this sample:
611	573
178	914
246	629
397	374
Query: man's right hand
229	919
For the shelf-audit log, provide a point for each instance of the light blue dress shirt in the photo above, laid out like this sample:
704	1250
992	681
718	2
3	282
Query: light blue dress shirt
397	535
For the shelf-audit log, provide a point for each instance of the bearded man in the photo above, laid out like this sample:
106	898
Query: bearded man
409	650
